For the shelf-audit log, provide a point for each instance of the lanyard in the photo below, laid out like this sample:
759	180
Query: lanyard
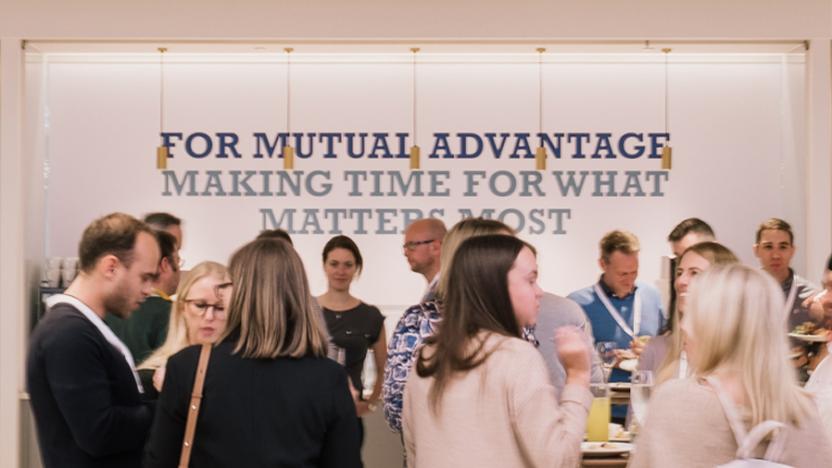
790	299
683	365
102	327
617	316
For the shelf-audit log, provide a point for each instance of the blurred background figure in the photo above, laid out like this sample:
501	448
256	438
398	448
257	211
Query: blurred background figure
197	316
774	247
353	325
624	312
146	327
168	223
422	247
421	321
664	355
275	234
742	376
480	394
271	396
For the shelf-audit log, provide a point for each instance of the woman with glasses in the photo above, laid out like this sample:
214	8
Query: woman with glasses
353	325
197	316
271	396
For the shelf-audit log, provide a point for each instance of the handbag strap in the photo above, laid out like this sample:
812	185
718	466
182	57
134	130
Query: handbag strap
193	406
747	441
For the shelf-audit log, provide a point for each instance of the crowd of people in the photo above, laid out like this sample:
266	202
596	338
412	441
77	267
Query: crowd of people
137	355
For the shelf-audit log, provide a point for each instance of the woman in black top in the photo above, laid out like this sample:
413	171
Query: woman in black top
271	396
353	325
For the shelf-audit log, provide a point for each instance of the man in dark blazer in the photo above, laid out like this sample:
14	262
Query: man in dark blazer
85	393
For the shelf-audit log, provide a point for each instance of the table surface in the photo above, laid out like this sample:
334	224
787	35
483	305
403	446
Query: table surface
608	462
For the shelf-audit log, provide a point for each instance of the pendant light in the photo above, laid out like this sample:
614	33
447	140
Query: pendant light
288	150
667	151
540	153
162	152
414	150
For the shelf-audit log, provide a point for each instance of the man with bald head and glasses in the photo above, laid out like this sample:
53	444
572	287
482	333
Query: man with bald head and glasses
422	246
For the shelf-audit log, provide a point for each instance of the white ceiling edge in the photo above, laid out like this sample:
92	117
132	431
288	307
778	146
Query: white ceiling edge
435	46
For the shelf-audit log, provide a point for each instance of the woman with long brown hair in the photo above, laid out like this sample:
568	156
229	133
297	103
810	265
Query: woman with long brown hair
271	396
481	395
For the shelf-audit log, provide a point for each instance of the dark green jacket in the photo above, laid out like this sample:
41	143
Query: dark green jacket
146	328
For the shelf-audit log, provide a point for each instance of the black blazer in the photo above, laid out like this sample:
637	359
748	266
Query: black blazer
88	411
257	413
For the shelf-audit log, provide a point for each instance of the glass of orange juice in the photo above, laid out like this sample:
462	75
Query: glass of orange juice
598	423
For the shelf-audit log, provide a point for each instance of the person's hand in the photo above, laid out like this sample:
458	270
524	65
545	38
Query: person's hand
814	304
353	391
573	351
637	345
158	378
362	408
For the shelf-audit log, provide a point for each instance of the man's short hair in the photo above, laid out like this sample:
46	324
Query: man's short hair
618	241
775	224
688	226
829	263
167	247
275	234
114	234
161	221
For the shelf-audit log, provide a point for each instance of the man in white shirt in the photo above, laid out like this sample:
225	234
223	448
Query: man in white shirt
422	247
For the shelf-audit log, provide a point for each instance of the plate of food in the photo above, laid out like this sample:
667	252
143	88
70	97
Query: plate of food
810	332
628	365
618	434
605	449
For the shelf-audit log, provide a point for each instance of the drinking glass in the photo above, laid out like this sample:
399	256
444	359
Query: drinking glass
641	386
336	353
606	351
598	422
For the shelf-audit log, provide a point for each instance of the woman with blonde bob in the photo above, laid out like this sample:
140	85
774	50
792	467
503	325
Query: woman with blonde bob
734	327
197	316
271	396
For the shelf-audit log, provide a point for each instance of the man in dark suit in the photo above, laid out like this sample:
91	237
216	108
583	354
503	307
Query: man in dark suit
85	393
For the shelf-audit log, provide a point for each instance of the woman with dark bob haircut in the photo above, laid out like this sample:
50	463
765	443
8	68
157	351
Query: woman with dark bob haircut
481	395
271	396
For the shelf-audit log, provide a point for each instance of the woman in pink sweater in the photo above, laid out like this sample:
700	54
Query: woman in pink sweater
481	395
735	339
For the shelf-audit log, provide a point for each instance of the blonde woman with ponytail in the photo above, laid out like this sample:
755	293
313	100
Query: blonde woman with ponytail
735	339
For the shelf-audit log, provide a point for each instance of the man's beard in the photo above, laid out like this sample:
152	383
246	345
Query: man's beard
119	305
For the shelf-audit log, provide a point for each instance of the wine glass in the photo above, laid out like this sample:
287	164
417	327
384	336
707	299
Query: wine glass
606	351
641	386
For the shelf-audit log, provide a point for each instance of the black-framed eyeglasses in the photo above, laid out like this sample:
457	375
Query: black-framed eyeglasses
200	307
413	244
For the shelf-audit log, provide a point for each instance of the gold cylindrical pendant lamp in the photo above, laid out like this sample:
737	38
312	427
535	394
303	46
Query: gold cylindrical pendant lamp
288	158
415	152
162	152
540	153
667	158
667	150
288	150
